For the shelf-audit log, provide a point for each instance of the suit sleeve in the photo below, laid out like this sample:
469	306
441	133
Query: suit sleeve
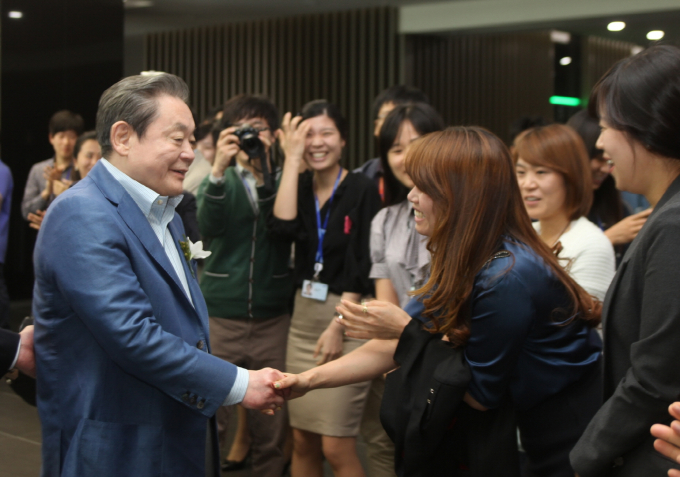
32	200
91	266
642	397
9	344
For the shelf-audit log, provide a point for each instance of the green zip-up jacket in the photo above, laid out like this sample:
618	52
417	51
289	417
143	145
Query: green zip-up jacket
247	275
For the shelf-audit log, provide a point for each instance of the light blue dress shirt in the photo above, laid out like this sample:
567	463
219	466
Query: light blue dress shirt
159	211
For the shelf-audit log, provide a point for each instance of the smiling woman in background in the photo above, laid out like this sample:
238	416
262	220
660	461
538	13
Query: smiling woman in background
554	177
327	211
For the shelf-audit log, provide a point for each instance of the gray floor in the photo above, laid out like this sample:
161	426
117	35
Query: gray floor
19	436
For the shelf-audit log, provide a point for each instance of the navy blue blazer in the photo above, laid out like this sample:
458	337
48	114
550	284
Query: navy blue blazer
126	383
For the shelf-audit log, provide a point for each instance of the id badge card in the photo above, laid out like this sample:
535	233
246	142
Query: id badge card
314	290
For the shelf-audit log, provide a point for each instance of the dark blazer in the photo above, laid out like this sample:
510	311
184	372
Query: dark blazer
9	343
126	383
641	321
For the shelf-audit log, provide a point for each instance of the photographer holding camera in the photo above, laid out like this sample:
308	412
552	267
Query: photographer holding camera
246	282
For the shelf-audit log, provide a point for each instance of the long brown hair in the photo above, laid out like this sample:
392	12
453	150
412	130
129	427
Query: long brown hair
561	149
468	174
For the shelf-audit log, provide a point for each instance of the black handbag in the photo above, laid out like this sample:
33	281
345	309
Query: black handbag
435	433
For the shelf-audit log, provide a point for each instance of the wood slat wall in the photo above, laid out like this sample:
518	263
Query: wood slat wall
485	80
600	54
346	58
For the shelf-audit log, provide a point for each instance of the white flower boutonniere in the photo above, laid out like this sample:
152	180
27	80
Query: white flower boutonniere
193	251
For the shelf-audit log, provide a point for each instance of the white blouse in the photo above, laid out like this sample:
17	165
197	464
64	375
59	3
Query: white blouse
588	256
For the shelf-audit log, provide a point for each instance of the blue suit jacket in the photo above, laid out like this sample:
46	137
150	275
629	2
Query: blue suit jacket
126	383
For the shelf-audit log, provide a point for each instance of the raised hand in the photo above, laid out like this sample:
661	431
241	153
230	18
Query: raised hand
226	149
668	438
374	319
292	136
261	393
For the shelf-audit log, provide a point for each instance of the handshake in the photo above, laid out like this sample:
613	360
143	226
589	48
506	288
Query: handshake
269	388
380	322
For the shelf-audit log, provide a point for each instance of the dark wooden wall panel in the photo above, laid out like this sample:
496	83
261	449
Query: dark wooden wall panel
600	54
344	57
485	80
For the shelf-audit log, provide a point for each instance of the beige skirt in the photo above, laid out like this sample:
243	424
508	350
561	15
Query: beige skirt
329	412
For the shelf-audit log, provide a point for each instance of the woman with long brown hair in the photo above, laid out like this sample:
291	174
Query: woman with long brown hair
496	290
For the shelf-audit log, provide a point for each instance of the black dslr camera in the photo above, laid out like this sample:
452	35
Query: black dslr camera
250	142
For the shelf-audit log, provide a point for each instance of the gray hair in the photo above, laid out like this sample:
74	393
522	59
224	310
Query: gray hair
133	100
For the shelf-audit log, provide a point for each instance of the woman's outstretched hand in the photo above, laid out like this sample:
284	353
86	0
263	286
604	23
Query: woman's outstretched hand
374	319
292	386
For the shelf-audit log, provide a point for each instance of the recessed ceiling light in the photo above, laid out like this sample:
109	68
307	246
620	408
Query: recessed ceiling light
15	14
560	37
137	3
565	61
616	26
635	50
655	35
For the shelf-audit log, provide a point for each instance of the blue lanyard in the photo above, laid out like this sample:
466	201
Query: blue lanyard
321	229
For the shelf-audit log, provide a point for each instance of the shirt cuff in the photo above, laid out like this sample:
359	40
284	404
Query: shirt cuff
16	357
215	180
379	270
238	390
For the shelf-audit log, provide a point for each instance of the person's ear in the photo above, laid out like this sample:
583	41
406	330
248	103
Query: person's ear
121	137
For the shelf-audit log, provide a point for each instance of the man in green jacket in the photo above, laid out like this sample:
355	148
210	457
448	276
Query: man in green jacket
246	281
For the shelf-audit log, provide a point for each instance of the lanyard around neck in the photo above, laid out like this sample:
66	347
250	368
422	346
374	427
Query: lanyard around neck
321	228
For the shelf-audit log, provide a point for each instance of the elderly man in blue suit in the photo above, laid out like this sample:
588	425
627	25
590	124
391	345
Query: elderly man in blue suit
126	382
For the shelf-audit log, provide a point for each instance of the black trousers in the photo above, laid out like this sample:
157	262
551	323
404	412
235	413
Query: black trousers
550	430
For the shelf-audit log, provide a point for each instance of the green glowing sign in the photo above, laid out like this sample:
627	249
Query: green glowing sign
565	101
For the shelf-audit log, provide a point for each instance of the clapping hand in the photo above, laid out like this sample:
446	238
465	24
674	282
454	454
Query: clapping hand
372	319
35	220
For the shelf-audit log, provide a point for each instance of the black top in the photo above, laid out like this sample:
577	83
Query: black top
346	255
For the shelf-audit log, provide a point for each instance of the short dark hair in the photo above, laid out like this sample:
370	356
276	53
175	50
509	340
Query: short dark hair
134	100
246	106
588	128
66	120
82	139
398	94
320	107
204	129
425	120
523	123
640	96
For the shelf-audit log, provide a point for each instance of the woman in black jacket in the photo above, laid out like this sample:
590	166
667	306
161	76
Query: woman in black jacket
638	102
